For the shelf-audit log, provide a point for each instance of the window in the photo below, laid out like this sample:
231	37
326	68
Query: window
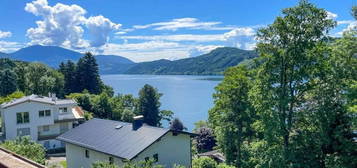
46	128
156	157
47	113
87	153
22	117
44	113
147	159
111	160
23	131
63	109
41	113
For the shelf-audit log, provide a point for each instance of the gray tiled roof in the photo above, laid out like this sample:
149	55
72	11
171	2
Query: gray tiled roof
105	136
37	98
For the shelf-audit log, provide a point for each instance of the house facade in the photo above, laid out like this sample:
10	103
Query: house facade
119	142
41	118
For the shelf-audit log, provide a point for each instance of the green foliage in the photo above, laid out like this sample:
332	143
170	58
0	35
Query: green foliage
205	141
104	165
176	124
8	83
24	146
149	106
354	12
102	108
70	77
233	115
119	107
214	62
11	96
42	80
203	162
296	106
87	75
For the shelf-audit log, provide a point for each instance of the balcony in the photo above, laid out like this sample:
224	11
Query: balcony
47	137
74	114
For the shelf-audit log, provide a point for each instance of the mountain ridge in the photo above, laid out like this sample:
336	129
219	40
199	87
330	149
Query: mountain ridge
39	53
212	63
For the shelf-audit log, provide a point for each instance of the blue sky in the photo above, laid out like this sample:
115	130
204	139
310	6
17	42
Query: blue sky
144	30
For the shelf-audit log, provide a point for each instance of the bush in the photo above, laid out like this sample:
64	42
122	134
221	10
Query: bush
204	162
25	147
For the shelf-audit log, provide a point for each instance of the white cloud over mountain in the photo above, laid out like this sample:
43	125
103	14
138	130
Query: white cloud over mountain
243	38
62	25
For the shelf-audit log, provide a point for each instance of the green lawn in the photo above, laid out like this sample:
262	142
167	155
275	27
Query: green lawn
63	164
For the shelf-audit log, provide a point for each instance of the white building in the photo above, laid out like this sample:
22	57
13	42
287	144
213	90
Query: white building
41	118
118	142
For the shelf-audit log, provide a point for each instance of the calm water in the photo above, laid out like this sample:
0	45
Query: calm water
189	97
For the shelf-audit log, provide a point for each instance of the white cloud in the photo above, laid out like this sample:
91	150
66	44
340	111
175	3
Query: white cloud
179	37
184	23
331	15
342	22
62	25
8	47
100	27
154	50
243	38
4	34
349	25
201	49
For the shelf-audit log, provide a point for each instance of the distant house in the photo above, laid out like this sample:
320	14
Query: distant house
119	142
41	118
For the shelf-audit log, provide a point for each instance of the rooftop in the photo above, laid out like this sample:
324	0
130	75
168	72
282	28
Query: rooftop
37	98
113	137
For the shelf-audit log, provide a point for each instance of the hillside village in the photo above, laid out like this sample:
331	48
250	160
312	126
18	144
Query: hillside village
290	103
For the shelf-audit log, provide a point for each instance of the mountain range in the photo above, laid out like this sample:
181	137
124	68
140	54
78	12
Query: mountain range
214	62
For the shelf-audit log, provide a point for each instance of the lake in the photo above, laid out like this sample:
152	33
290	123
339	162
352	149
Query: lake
189	97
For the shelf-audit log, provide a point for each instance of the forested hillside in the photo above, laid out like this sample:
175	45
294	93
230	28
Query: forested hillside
214	62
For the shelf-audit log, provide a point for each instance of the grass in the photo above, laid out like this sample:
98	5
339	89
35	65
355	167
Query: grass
63	164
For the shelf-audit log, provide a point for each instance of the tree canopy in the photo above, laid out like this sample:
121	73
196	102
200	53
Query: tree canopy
294	106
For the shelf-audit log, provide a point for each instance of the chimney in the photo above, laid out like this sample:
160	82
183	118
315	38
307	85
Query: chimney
52	96
138	122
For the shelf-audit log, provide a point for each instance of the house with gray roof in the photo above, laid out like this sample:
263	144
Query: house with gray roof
119	142
40	117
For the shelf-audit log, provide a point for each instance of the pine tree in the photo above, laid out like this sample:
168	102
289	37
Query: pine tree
70	78
8	83
87	74
148	105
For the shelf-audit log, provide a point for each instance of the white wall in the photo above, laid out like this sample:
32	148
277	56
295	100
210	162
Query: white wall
75	156
10	121
36	123
171	150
